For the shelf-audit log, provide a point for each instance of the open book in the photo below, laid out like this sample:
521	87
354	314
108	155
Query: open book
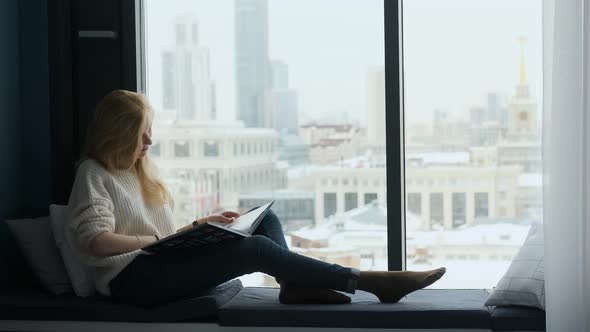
211	232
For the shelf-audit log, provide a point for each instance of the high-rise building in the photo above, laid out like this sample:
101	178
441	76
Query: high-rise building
252	64
279	75
187	86
496	109
376	105
448	130
493	111
282	107
283	110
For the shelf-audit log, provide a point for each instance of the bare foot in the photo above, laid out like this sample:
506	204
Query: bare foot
391	286
297	295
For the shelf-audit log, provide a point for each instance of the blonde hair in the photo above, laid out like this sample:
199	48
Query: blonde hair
114	139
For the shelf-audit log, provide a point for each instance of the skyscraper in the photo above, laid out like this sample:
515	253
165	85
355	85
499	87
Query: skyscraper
188	89
252	64
279	75
282	109
495	108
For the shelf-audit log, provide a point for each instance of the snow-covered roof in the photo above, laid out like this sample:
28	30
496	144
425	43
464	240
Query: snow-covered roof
365	162
330	249
313	233
368	238
278	194
369	223
473	235
307	170
372	213
519	144
441	157
292	140
212	129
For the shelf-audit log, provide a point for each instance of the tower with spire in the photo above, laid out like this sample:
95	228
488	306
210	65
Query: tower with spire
522	108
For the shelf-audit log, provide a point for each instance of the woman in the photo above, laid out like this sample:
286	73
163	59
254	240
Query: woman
119	204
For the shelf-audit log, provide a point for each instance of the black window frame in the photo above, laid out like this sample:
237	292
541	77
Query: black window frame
394	133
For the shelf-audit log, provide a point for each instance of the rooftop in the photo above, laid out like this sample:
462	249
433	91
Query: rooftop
369	223
278	194
441	157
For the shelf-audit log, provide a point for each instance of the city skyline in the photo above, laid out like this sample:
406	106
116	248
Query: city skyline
339	94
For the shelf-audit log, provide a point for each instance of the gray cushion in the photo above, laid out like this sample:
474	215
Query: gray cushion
35	240
38	305
516	318
430	308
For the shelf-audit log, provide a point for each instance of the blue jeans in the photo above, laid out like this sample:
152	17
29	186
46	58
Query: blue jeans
160	278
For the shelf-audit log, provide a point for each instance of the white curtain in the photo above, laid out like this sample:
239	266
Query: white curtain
566	162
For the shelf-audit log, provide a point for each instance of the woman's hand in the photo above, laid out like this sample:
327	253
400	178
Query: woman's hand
230	214
224	217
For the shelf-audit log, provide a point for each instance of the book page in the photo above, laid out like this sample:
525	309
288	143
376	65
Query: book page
244	222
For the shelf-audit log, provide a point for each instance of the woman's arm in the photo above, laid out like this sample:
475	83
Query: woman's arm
108	243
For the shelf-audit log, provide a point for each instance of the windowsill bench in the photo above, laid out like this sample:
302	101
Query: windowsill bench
231	307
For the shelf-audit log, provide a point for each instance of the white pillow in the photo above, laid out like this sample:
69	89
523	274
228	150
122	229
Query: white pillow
80	275
524	282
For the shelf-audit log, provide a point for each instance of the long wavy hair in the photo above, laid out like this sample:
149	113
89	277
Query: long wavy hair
114	139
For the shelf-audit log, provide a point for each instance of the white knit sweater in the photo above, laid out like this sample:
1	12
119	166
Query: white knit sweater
110	201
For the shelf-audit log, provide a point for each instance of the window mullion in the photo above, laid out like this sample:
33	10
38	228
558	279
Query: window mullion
394	134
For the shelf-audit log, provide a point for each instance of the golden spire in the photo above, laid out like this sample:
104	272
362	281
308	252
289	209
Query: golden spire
522	40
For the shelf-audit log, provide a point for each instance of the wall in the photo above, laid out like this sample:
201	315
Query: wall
10	117
25	159
34	106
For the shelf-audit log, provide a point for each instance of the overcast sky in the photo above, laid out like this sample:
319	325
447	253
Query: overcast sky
455	51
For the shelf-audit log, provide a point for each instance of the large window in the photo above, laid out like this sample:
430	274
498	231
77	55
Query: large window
481	205
459	211
350	201
210	149
181	149
330	204
414	203
274	99
436	209
252	105
472	95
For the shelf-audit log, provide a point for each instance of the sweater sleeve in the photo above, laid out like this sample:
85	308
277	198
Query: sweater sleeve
91	209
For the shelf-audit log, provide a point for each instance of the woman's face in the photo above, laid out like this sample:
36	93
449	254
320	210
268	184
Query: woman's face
146	138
